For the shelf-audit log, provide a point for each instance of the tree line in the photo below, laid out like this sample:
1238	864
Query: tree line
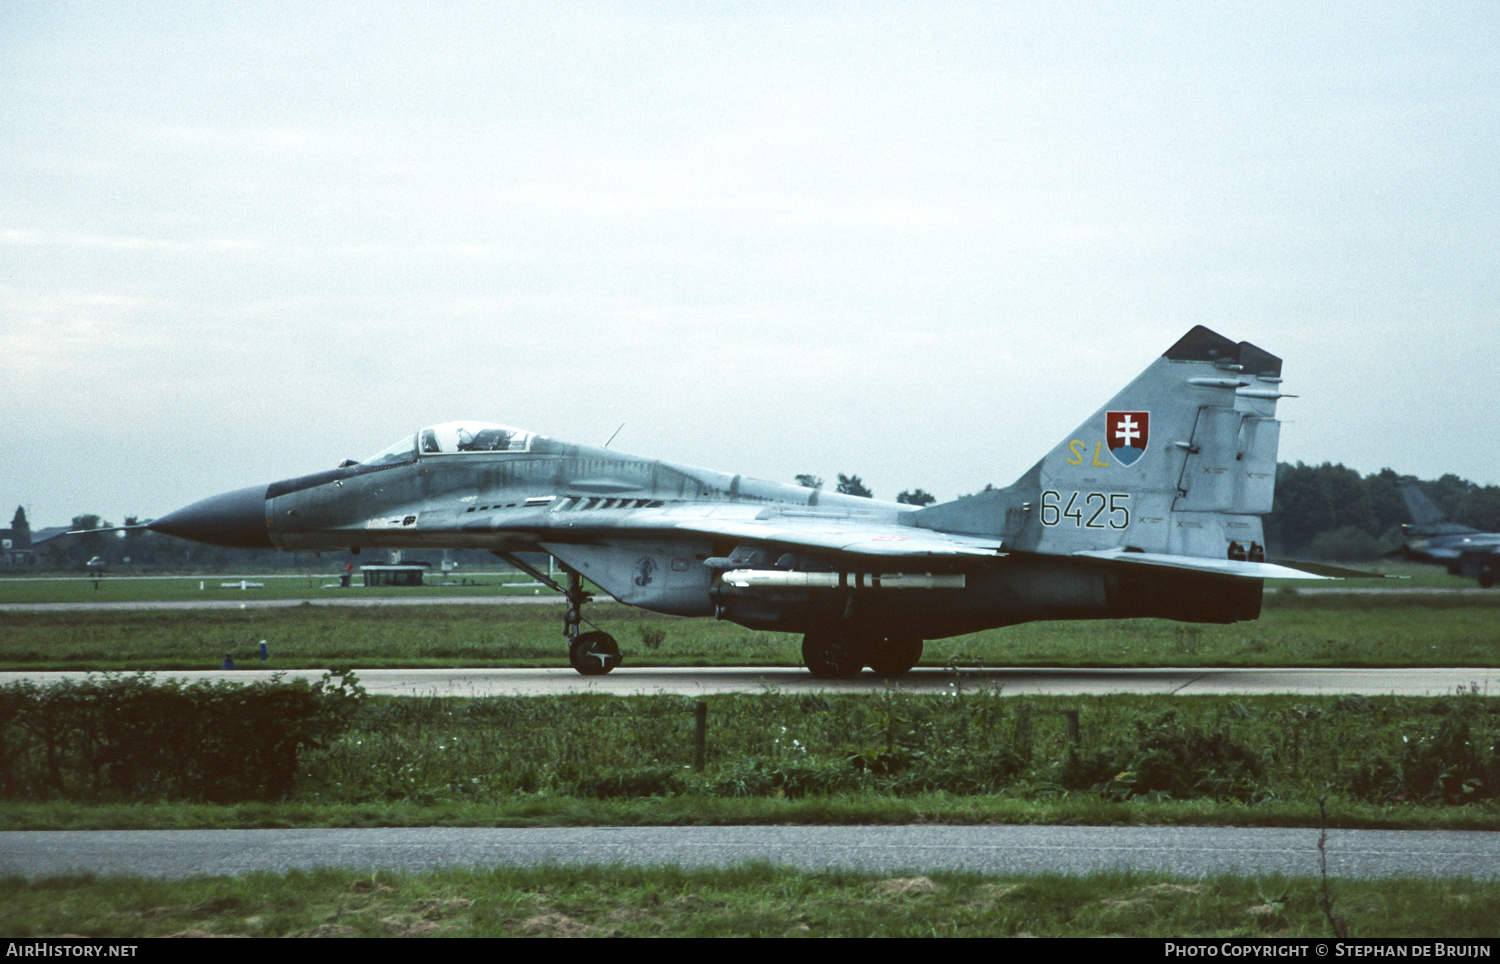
1332	512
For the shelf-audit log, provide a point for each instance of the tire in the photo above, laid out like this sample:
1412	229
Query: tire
832	654
594	653
895	655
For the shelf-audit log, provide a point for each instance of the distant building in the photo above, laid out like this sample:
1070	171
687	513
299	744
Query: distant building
15	542
21	545
396	574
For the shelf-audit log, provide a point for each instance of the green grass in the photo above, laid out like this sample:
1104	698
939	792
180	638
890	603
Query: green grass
1408	624
699	811
746	901
1401	629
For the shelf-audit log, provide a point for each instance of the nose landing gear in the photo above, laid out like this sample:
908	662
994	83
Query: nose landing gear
593	653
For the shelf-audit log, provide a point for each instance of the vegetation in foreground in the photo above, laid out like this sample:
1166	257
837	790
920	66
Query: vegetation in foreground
747	901
120	752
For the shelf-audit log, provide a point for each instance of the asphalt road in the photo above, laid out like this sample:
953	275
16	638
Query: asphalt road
693	682
1191	852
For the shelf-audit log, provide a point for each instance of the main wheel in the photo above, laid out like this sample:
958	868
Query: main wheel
895	655
594	653
832	654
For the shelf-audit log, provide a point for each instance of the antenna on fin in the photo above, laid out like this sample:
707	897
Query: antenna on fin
612	437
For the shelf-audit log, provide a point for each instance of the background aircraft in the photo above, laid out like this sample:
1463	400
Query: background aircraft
1432	537
1151	507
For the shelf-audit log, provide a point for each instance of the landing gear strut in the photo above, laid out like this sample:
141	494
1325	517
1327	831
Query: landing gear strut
593	653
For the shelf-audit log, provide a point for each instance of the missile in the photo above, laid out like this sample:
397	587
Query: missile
747	579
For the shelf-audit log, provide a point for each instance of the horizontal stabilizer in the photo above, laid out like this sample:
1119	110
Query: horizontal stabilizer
1230	567
1334	572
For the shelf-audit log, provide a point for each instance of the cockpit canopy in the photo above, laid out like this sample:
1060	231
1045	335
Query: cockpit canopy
455	438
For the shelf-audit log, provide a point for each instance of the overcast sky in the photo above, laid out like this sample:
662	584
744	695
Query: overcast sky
917	242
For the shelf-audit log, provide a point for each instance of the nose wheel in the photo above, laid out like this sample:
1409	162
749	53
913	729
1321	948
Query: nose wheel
594	653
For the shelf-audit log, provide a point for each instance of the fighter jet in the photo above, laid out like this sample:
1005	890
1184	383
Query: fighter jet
1151	507
1433	537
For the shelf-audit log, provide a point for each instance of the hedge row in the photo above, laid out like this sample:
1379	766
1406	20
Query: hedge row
134	737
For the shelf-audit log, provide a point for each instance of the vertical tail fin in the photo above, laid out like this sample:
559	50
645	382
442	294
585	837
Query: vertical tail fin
1181	462
1424	512
1426	517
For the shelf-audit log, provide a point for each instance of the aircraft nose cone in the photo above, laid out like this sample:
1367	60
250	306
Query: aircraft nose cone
235	519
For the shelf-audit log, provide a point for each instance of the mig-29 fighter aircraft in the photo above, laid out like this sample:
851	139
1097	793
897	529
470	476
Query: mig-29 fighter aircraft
1151	507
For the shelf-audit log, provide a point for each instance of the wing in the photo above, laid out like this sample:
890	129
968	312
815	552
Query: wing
879	532
843	534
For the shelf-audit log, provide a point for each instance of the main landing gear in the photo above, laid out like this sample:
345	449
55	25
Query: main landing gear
593	653
839	652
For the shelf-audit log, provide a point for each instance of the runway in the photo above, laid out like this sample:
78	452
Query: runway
1190	852
706	681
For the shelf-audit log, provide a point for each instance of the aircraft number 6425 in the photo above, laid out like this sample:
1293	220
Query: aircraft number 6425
1087	510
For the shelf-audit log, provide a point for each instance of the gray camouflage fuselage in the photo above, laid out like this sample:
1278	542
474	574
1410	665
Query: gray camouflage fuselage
1152	507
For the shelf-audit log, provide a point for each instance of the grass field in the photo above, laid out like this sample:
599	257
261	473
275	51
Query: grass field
750	901
1425	618
1398	629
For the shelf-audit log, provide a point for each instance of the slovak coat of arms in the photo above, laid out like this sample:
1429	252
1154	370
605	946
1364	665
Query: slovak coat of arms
1127	434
